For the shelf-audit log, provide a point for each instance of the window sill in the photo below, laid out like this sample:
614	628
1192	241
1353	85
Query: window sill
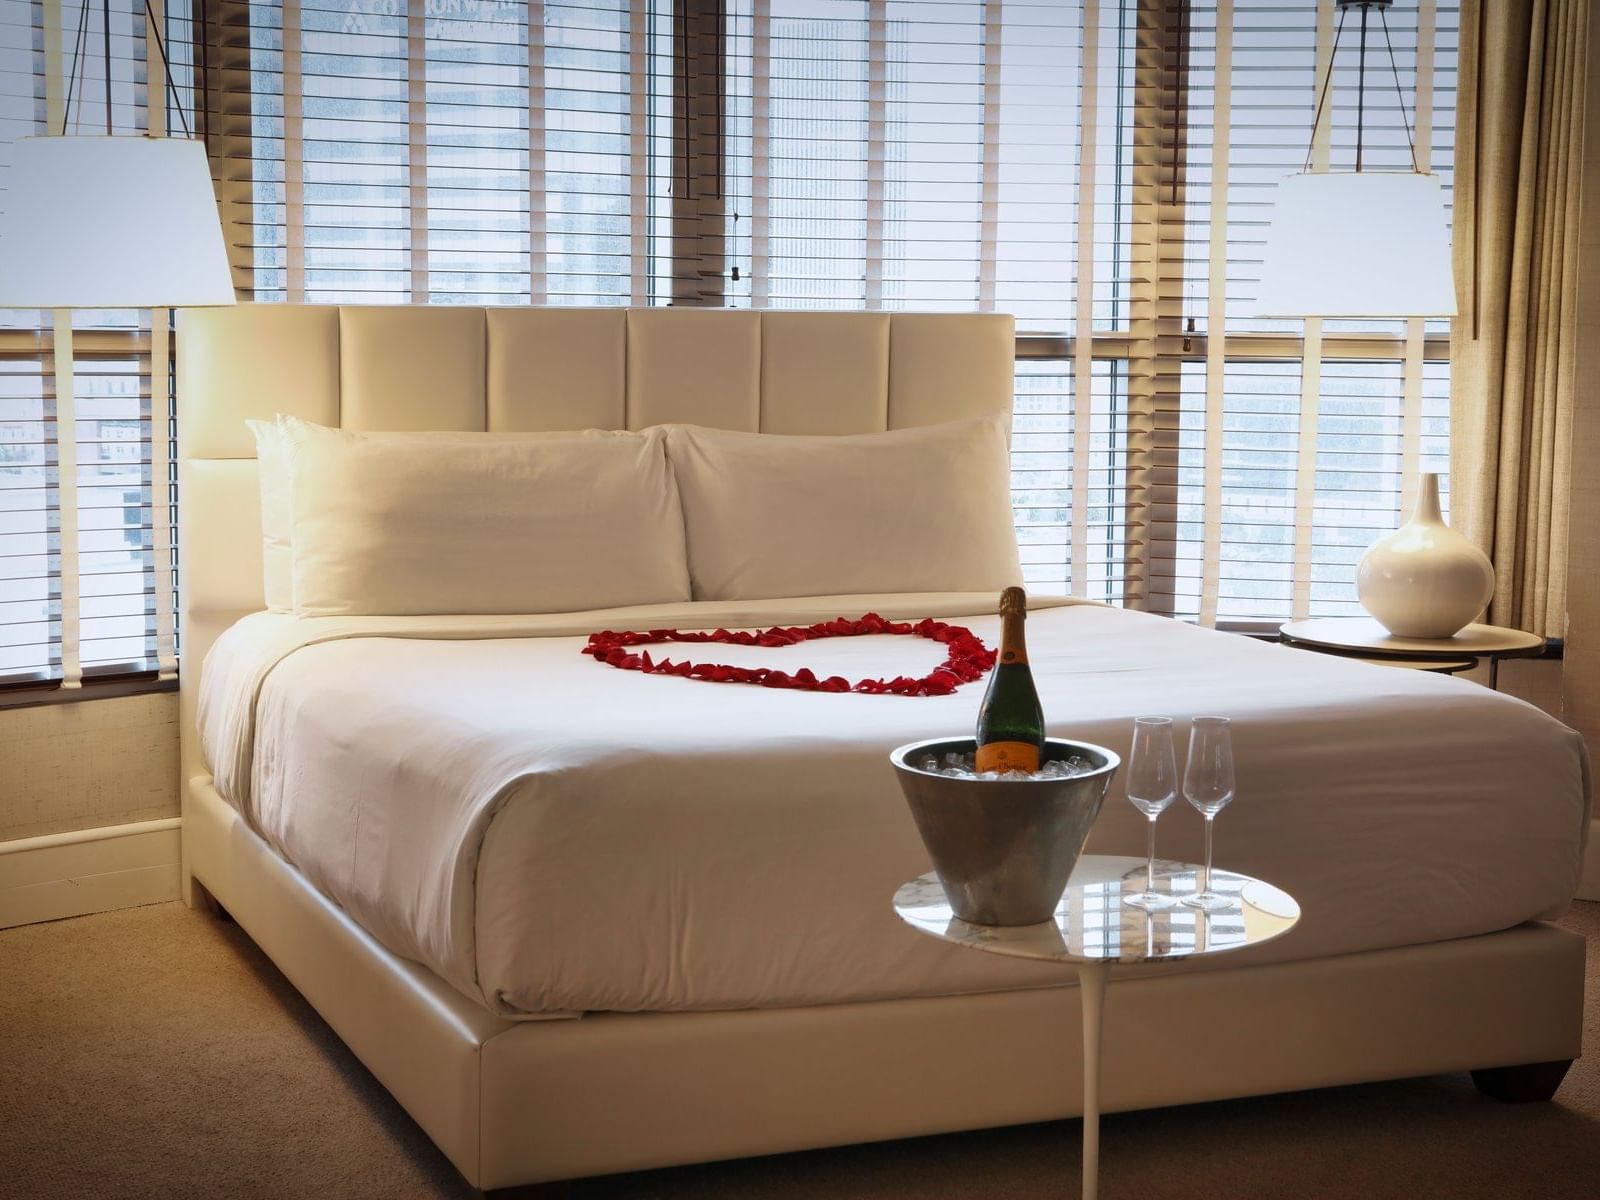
27	694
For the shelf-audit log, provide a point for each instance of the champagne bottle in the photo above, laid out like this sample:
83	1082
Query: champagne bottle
1010	721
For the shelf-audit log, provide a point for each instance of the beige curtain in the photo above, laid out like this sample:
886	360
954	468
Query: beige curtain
1518	165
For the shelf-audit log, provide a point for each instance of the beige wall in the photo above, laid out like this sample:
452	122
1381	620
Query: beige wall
80	766
1582	680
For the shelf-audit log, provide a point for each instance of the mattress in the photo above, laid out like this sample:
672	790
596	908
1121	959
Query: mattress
554	836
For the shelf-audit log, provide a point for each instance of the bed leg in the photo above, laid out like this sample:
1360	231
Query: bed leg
1522	1083
200	897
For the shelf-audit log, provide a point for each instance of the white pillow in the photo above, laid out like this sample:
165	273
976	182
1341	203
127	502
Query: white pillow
277	500
408	524
277	515
913	510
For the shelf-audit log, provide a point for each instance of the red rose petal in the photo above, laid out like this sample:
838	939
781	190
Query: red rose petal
967	658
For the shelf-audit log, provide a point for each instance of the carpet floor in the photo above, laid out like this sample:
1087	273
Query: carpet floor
155	1052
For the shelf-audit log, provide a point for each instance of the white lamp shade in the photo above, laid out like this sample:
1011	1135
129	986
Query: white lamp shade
110	222
1358	244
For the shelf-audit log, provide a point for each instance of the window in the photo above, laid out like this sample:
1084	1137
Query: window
1104	170
86	548
1100	168
458	153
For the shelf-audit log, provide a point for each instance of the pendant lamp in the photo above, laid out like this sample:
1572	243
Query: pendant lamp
112	221
1361	243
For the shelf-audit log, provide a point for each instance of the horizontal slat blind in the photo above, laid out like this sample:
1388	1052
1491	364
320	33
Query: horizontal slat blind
30	518
401	162
118	592
83	517
925	154
1103	170
30	558
1045	462
978	153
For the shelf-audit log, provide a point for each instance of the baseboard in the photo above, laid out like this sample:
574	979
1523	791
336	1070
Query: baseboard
88	871
1589	883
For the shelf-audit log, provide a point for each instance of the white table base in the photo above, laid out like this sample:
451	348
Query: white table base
1092	928
1092	977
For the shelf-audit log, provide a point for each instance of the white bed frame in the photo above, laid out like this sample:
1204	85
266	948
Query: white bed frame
521	1102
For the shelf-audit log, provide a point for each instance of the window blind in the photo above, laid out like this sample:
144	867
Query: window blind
955	155
86	546
1103	170
30	498
880	153
502	151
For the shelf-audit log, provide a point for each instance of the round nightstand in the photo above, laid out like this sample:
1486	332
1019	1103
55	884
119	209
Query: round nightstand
1364	638
1092	929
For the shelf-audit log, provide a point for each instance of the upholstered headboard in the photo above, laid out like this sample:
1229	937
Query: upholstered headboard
522	369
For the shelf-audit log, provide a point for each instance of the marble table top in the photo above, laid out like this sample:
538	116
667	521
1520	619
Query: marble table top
1091	924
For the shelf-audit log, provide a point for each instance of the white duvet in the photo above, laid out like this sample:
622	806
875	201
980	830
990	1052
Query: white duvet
552	835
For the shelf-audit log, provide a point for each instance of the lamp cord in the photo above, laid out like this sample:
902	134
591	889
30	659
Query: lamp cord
166	68
1322	95
1361	86
105	42
81	40
77	52
1399	92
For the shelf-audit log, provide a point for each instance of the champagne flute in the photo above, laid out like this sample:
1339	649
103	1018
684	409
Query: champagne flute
1152	786
1208	785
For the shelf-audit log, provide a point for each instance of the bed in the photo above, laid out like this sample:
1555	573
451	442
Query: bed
568	952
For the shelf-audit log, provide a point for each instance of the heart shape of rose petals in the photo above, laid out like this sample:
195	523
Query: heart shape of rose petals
967	658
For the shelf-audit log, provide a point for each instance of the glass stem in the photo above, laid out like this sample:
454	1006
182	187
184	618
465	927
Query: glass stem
1206	886
1150	858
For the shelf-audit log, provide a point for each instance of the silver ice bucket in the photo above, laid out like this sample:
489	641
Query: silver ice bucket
1004	849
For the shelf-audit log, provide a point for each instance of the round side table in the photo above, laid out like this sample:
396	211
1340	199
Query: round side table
1092	929
1362	637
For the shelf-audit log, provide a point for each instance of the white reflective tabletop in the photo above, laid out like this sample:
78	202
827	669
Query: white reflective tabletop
1092	924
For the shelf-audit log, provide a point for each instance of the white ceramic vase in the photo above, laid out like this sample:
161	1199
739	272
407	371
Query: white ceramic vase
1424	580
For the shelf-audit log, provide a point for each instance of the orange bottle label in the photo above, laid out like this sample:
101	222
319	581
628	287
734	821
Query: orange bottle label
1008	756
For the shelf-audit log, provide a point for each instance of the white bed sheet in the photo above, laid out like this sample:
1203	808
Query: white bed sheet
553	836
